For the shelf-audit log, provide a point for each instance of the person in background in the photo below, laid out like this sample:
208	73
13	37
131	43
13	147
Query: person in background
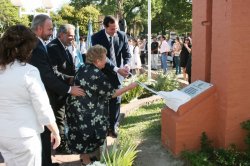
189	67
117	66
154	53
76	55
88	116
64	67
186	49
25	107
83	48
176	52
164	50
143	51
135	60
131	47
130	44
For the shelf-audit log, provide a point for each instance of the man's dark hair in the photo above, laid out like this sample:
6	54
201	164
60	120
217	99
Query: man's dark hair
108	20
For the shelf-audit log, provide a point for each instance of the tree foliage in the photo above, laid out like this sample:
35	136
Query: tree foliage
167	15
68	14
84	15
81	16
178	16
9	16
78	4
57	19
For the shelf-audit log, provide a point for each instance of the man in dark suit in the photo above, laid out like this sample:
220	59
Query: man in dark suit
64	68
42	26
116	43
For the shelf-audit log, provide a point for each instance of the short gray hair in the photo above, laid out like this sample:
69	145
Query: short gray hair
65	28
39	20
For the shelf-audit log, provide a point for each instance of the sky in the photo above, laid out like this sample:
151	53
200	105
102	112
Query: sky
33	4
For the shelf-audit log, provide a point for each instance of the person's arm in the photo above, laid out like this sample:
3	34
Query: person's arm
126	55
189	49
73	90
106	89
120	91
54	55
40	60
41	105
109	65
55	138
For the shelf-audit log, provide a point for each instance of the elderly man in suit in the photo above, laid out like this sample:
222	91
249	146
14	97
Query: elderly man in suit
64	68
42	26
118	52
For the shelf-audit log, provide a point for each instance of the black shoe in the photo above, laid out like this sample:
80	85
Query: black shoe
92	159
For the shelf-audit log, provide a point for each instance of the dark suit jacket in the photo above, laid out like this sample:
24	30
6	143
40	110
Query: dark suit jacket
53	85
62	66
121	52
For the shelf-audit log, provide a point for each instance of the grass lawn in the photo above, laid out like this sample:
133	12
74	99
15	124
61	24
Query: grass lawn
143	128
142	123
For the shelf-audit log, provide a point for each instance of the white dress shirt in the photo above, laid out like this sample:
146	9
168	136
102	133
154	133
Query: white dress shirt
108	36
164	47
24	104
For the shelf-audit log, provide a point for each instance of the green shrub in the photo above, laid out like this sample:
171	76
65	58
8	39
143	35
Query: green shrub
227	157
122	153
209	156
166	82
162	83
206	144
246	126
196	159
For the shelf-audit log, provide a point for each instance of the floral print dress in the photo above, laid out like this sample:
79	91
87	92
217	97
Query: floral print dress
87	116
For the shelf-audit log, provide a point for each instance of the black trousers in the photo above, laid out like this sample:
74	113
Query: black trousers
143	58
58	106
114	112
60	121
46	148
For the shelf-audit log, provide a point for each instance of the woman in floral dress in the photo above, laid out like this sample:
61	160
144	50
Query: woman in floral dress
87	116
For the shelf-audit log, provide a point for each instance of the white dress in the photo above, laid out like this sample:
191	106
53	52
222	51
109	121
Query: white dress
135	59
24	110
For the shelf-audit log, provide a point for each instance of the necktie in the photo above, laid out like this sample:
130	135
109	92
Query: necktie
112	51
45	47
69	56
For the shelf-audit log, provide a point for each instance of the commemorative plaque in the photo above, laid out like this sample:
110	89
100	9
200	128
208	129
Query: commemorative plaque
196	88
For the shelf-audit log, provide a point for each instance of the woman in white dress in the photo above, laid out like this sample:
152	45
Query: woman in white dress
135	59
24	104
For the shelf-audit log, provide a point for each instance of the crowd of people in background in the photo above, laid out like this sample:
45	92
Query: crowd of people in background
55	90
175	51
